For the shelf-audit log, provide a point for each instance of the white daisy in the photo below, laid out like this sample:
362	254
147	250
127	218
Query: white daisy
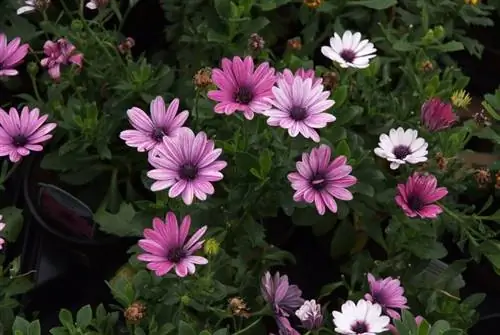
95	4
29	6
402	147
362	319
349	51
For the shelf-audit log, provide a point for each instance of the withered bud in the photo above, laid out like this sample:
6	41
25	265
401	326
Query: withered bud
427	66
481	118
127	45
441	161
330	80
295	43
482	177
135	312
256	43
203	78
312	3
497	180
238	307
42	5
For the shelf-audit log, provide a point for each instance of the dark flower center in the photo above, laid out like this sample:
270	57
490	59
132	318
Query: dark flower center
348	55
243	95
175	255
359	327
298	113
318	182
188	171
19	140
158	134
415	202
401	151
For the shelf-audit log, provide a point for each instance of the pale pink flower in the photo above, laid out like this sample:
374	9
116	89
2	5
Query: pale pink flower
166	247
320	180
149	131
58	53
23	132
11	55
241	87
2	226
388	293
289	76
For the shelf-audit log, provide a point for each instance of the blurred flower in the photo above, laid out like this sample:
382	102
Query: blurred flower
126	45
436	115
135	312
394	331
483	177
300	106
32	5
238	307
289	76
461	99
295	43
320	180
58	53
427	66
241	87
472	2
283	297
149	131
418	195
312	3
310	315
481	118
401	147
211	247
388	293
203	78
23	132
363	318
186	165
284	326
2	226
497	181
95	4
330	80
11	54
441	161
256	43
166	247
349	51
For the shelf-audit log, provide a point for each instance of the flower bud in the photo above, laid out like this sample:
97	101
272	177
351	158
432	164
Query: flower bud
33	68
437	115
135	312
76	25
185	300
312	3
211	247
295	43
202	80
256	43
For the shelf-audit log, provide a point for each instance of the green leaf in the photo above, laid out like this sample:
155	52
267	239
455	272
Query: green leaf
19	285
490	110
165	329
342	149
21	325
404	46
121	223
454	331
340	95
223	8
450	46
34	328
84	316
59	331
439	327
66	318
363	188
343	240
13	219
265	162
308	216
222	331
424	328
186	329
255	25
373	4
328	289
428	249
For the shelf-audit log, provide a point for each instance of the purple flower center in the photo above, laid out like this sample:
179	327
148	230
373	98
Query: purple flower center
401	151
359	327
175	255
348	55
298	113
415	202
188	171
243	95
158	134
19	140
318	182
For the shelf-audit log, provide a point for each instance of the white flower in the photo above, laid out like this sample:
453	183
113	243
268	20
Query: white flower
310	314
363	319
349	51
402	147
29	6
92	4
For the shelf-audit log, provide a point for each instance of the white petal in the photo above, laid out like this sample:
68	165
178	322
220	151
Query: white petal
394	166
25	9
347	40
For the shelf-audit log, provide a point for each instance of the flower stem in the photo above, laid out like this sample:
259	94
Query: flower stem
250	326
9	173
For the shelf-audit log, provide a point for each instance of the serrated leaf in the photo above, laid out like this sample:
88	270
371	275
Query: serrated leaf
119	224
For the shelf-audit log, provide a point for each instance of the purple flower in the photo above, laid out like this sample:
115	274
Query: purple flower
437	115
284	326
300	106
58	53
418	195
166	247
187	165
310	315
320	180
388	293
149	131
11	54
2	226
20	134
241	87
283	297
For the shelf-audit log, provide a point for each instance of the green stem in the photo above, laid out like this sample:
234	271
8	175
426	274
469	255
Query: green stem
250	326
196	113
35	89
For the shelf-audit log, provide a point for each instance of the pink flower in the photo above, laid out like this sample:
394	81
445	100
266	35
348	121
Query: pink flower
320	181
241	87
186	165
166	247
418	195
58	53
437	115
283	297
388	293
310	314
20	134
288	76
394	331
11	54
2	226
149	131
300	106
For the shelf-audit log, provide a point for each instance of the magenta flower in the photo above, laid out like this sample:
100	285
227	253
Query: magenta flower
2	226
437	115
58	53
388	293
283	297
20	134
394	331
149	131
166	247
289	76
241	87
320	181
186	165
418	195
11	54
300	106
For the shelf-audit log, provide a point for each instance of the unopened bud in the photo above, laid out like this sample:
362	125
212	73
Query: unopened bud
33	69
295	43
135	312
256	43
202	80
211	247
